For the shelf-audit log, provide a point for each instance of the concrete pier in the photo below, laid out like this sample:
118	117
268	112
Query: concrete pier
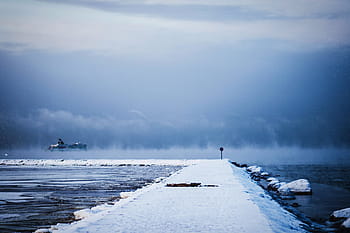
226	201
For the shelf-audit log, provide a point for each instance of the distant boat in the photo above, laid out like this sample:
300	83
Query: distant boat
66	147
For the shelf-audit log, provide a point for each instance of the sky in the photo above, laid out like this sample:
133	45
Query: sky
159	74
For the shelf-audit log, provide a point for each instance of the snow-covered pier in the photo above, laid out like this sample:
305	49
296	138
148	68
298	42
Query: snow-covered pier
226	200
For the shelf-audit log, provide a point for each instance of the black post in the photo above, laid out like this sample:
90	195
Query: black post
221	149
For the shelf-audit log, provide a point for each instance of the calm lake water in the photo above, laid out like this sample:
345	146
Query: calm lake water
330	185
37	197
40	196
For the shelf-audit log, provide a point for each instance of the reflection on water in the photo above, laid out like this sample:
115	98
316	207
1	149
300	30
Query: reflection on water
36	197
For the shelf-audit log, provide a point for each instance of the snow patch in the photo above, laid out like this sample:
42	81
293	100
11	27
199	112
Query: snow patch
271	179
43	231
254	169
274	184
301	186
280	219
343	213
346	223
124	195
265	174
84	213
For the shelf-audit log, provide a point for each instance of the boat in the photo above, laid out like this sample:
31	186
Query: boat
61	146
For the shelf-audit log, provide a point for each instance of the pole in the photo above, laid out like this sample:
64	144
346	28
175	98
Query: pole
221	149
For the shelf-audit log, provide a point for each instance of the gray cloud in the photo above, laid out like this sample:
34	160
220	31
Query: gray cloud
167	10
220	10
161	74
147	28
44	126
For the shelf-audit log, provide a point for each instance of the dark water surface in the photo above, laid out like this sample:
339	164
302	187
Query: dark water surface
330	185
37	197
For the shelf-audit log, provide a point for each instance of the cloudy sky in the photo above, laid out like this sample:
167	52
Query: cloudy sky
159	74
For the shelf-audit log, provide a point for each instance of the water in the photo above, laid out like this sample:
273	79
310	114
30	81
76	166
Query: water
329	180
330	184
37	197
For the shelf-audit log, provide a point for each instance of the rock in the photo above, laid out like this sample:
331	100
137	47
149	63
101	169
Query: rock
238	164
277	186
254	169
274	184
265	174
159	179
346	223
256	173
284	191
81	214
294	204
43	231
299	187
343	213
274	181
124	195
84	213
287	197
271	179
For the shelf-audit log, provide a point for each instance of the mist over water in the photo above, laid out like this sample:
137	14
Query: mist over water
268	81
190	75
251	156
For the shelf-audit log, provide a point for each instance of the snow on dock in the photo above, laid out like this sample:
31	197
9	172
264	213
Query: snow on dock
225	201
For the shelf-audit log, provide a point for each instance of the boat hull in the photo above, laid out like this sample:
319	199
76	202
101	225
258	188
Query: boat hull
67	147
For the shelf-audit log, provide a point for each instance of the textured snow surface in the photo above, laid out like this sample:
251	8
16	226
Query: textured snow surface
43	231
254	168
296	186
236	205
343	213
346	223
84	213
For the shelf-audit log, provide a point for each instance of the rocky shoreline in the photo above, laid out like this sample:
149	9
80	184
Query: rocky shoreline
285	194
